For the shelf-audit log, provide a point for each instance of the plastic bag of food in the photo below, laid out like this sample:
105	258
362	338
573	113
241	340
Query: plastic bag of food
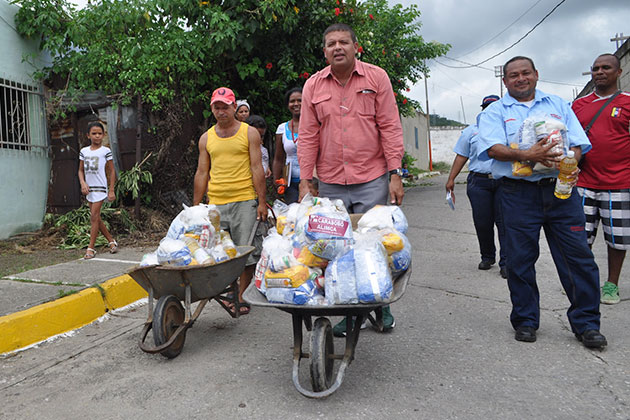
340	283
329	249
373	278
392	240
401	260
291	277
193	219
218	253
382	217
173	252
149	259
307	294
199	254
271	243
533	129
306	257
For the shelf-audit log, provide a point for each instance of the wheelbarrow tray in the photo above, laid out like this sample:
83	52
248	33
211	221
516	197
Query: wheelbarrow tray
253	296
205	280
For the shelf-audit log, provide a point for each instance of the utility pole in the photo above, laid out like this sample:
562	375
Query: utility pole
619	38
426	93
461	101
498	72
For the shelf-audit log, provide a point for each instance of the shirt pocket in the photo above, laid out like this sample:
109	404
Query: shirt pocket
366	99
322	106
511	131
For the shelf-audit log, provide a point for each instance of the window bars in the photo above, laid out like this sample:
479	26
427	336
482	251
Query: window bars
22	116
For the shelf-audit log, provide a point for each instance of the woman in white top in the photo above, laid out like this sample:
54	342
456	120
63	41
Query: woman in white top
286	146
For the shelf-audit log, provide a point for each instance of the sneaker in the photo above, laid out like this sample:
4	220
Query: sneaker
388	319
610	294
339	330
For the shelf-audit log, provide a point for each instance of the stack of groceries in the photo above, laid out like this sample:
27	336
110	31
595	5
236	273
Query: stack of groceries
194	237
534	129
313	257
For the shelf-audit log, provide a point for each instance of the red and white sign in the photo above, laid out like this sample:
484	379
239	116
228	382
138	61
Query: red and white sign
328	225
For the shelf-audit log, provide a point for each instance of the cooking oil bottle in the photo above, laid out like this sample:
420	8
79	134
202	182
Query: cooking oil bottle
563	184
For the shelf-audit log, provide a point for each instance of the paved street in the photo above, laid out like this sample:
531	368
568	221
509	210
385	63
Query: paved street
451	356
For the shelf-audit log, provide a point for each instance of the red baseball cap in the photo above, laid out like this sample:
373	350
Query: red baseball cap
224	95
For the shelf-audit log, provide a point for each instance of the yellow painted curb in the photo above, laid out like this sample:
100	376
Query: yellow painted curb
36	324
43	321
122	291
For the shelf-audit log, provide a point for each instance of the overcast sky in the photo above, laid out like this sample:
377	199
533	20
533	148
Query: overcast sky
562	47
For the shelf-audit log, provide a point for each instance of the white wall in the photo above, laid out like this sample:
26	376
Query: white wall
443	141
415	138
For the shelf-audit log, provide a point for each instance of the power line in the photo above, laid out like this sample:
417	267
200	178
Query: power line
520	39
500	33
492	70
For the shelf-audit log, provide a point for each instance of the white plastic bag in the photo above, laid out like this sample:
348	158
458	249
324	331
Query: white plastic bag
373	278
340	283
173	252
382	217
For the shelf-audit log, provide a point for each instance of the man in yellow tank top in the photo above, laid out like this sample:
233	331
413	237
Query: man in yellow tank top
230	172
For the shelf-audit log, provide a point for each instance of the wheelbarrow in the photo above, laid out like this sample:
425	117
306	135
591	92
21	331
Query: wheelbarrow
171	285
322	352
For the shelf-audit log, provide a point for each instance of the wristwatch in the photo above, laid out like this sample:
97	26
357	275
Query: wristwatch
396	171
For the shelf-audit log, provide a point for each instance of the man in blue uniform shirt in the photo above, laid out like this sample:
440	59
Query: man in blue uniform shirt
482	191
528	204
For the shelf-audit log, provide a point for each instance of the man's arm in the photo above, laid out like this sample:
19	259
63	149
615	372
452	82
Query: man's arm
309	138
258	174
391	134
458	164
203	171
539	152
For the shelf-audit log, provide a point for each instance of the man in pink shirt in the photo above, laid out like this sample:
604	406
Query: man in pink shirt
350	131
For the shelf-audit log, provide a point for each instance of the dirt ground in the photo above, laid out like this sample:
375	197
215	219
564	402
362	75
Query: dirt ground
28	251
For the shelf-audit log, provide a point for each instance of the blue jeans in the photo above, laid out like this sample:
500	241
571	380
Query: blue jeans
528	206
483	194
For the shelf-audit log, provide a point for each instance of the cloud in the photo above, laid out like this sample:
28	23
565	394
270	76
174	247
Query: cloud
562	47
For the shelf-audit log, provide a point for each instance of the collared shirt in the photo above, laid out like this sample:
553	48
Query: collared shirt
468	146
351	133
500	122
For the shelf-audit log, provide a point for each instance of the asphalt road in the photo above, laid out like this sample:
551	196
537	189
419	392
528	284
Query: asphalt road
452	354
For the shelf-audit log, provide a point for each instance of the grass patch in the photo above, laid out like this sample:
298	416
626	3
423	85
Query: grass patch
441	166
63	293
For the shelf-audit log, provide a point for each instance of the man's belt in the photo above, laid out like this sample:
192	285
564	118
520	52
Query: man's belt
542	181
481	175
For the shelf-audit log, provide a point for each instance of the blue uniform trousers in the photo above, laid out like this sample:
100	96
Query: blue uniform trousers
528	206
483	194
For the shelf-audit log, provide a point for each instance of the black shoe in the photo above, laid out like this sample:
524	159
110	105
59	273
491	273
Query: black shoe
592	339
527	334
503	272
485	265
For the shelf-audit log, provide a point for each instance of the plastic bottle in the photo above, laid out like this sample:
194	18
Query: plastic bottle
228	244
197	252
563	184
215	218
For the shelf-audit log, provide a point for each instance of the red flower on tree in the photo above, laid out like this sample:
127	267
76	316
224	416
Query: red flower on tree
397	55
337	11
304	75
383	51
395	94
360	49
337	2
351	11
371	17
404	101
269	66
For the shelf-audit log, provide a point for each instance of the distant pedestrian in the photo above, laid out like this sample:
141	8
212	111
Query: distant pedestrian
285	157
242	110
260	124
483	192
528	204
96	168
604	182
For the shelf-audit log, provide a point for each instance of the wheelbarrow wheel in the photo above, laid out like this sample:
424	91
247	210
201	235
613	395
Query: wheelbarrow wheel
167	316
322	347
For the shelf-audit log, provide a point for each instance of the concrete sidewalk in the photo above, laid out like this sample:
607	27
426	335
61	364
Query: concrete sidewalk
38	304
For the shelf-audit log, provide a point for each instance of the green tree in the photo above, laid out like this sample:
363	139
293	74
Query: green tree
173	53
